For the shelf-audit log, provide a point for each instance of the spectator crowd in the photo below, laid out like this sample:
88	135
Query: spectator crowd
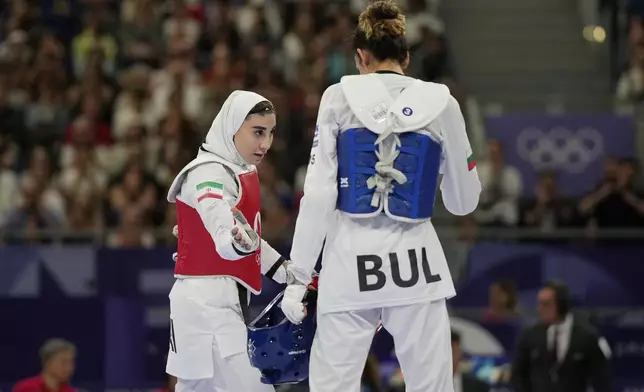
616	202
102	102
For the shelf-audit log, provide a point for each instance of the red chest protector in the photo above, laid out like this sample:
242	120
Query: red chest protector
197	255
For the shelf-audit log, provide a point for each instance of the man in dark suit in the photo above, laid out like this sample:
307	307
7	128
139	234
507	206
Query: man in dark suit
464	382
561	353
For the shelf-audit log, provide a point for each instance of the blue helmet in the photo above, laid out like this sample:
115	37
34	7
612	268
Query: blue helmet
279	348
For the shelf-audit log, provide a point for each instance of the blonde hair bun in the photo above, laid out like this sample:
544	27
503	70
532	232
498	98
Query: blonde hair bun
382	18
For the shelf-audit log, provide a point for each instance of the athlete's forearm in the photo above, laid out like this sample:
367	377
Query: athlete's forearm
218	220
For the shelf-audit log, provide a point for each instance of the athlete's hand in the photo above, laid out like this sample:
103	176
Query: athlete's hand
241	241
292	306
245	239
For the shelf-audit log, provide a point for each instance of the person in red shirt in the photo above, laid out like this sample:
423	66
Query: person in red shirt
170	383
58	363
503	302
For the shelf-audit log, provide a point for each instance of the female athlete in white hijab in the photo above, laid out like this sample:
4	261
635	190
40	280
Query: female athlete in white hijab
221	257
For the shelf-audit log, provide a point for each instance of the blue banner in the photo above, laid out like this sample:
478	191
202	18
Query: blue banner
32	321
598	275
113	304
571	146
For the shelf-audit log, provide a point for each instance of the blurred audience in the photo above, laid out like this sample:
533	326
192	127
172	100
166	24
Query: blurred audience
169	385
502	188
503	302
630	86
547	211
58	359
102	103
463	381
615	202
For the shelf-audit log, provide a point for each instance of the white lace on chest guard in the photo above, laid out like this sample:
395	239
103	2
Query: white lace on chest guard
416	107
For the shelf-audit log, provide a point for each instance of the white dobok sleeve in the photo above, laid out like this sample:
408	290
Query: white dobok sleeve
320	190
214	205
460	186
273	264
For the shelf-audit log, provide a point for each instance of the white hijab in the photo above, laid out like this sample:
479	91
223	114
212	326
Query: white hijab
219	140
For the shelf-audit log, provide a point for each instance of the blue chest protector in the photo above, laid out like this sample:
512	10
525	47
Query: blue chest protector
419	160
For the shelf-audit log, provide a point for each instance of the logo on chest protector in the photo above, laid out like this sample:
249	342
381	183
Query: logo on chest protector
371	278
257	226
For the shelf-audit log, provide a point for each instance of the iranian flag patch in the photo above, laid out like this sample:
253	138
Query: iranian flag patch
210	190
471	163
